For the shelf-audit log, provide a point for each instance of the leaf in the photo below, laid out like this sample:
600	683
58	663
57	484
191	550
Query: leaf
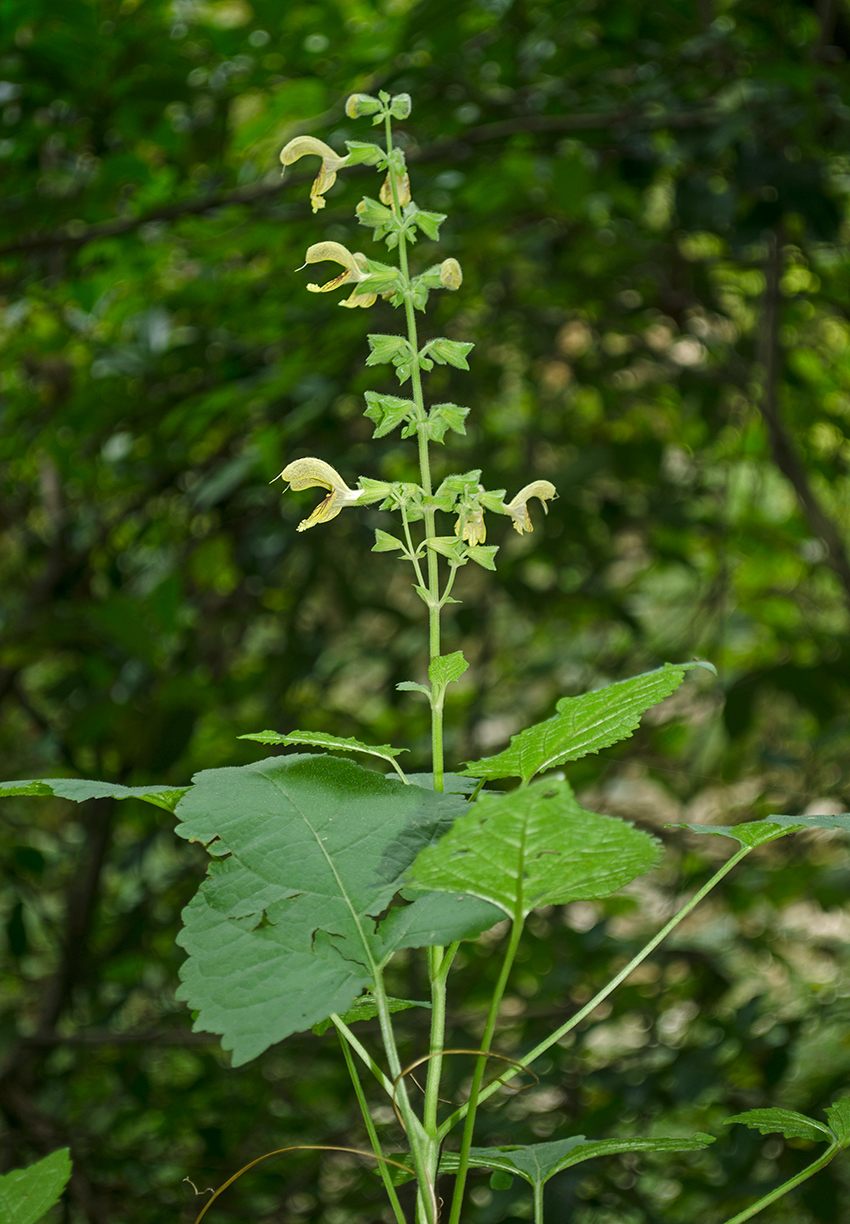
448	546
582	725
387	348
318	739
365	1008
371	213
537	1163
384	542
447	669
787	1122
387	411
410	686
446	416
80	790
435	920
453	784
362	152
759	832
535	846
27	1194
429	223
483	554
838	1116
284	930
448	352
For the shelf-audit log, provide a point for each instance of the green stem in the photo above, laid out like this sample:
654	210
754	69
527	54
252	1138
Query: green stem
603	994
420	1148
538	1202
414	560
808	1172
439	963
370	1129
425	476
364	1054
478	1073
447	592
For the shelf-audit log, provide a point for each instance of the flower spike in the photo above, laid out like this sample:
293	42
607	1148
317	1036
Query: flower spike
356	270
543	490
315	473
302	146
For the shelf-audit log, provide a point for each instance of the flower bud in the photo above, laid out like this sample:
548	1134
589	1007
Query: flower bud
361	104
451	276
400	106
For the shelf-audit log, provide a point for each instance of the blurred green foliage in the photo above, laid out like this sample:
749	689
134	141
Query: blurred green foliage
649	202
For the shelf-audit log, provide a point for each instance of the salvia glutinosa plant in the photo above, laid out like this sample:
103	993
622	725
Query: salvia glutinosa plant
322	870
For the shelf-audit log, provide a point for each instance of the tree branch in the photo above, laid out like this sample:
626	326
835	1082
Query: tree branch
785	454
66	236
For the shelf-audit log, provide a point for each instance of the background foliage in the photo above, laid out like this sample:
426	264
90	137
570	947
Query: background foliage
649	204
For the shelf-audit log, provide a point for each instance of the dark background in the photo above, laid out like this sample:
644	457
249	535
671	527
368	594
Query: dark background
649	203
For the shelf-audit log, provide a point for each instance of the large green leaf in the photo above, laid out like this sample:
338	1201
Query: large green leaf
582	725
285	930
785	1122
537	1162
758	832
26	1194
79	790
535	846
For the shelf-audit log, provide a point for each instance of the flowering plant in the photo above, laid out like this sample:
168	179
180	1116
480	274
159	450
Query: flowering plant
322	871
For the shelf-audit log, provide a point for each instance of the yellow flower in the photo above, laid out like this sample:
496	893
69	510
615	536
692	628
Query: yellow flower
474	529
315	473
451	276
356	270
302	146
385	195
543	490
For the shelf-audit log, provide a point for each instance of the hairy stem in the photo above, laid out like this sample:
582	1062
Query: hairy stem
603	994
538	1202
478	1073
370	1129
808	1172
425	476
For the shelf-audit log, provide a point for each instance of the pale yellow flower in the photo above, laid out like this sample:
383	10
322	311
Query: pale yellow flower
315	473
356	270
385	195
543	490
304	146
471	526
451	276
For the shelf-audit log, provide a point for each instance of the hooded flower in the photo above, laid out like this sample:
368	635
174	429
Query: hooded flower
543	490
315	473
403	188
356	269
302	146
